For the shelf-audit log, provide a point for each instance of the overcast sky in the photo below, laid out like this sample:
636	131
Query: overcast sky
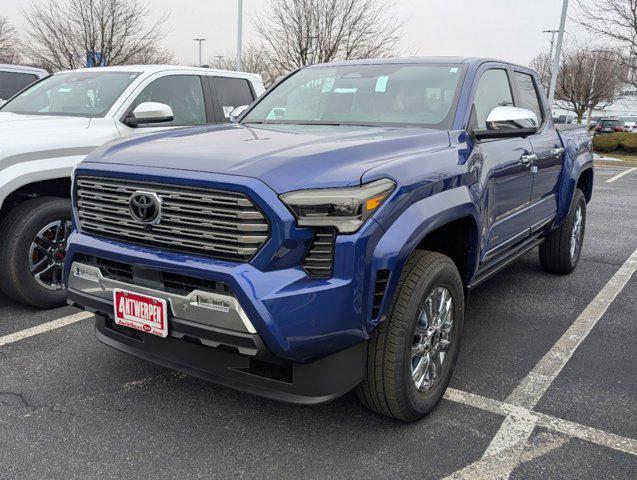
506	29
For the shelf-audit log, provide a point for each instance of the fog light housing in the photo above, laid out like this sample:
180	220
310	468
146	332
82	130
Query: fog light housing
86	272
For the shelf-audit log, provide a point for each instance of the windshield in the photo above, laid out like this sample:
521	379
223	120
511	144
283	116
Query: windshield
610	123
87	94
385	94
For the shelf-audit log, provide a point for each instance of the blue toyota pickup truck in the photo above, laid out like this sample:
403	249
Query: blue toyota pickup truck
330	237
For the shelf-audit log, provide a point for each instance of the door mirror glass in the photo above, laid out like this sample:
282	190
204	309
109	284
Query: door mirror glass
236	113
150	112
507	121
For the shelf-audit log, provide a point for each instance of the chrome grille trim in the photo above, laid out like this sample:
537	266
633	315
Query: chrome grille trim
220	224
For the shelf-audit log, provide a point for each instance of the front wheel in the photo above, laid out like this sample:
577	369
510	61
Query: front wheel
32	249
560	251
412	354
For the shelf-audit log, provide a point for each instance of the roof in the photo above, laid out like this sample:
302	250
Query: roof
162	68
23	68
418	60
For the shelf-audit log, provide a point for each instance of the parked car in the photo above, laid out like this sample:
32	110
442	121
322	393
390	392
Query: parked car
629	124
564	119
594	122
48	128
330	238
14	78
609	125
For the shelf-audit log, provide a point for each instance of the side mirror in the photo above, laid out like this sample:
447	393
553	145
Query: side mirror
236	113
150	112
507	122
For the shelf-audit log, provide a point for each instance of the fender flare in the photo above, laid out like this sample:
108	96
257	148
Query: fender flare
407	231
17	176
575	163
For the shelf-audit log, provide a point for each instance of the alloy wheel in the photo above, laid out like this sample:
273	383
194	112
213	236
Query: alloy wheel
47	253
432	338
576	233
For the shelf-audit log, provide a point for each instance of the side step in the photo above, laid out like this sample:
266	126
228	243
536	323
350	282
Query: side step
495	266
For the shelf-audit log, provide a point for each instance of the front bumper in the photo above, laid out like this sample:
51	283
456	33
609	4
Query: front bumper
218	344
311	383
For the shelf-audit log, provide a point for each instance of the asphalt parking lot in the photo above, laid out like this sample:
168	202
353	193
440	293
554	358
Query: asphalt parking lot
545	387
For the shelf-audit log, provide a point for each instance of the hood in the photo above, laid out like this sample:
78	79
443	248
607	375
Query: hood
24	134
12	122
286	157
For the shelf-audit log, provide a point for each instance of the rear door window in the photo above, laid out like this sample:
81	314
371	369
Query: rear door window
230	93
12	82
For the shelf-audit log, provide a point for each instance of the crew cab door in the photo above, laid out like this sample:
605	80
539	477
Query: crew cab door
546	165
505	181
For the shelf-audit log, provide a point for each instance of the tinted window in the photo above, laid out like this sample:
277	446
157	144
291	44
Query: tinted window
493	90
182	93
230	93
89	94
12	82
528	94
382	94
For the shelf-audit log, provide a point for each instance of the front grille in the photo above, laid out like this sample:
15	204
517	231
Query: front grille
319	261
213	223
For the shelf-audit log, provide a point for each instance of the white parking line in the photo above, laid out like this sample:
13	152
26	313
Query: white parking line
620	175
517	427
45	327
571	429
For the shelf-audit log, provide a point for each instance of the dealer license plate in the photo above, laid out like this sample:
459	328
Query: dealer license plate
141	312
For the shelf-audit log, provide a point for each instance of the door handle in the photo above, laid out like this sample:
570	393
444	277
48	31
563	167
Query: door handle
528	159
557	151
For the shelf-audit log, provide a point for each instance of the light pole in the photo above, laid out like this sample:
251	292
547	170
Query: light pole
552	32
558	54
592	90
239	33
200	41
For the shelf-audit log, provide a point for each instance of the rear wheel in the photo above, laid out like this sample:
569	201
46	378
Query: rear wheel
560	251
412	354
33	240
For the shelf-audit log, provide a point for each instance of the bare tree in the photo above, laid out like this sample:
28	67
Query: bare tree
8	42
616	21
64	34
587	78
304	32
542	65
254	59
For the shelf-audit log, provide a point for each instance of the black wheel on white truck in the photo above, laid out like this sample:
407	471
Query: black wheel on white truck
33	239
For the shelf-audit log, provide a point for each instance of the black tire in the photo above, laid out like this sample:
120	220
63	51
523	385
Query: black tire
555	251
388	387
17	232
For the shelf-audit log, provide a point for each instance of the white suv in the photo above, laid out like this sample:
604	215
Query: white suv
14	78
52	125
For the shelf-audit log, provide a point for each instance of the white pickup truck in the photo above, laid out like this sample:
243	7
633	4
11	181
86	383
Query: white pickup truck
52	125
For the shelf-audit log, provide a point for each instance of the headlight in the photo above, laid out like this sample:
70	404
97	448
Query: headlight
344	208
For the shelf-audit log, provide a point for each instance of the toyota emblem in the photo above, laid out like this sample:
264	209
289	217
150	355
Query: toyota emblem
145	207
